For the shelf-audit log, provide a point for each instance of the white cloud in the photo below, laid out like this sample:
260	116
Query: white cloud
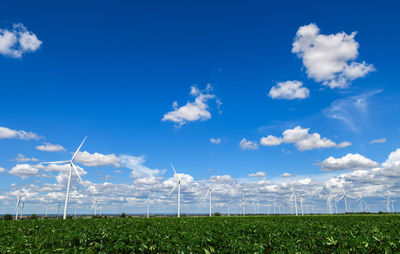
258	174
286	174
22	158
248	145
270	141
302	140
329	58
23	135
24	170
2	170
378	141
16	42
198	110
47	147
137	165
148	180
215	141
97	159
349	161
289	90
393	159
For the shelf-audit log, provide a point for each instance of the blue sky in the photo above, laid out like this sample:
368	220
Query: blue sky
112	71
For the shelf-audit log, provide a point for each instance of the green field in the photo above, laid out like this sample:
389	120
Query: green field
276	234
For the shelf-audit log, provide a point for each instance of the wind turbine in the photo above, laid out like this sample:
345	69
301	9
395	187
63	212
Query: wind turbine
17	207
178	183
209	192
293	197
243	202
72	165
94	206
345	196
301	204
148	202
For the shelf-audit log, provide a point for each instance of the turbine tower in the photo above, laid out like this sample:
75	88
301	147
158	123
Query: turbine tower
72	166
178	183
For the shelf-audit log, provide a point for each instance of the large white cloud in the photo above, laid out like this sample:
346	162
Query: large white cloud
198	110
24	170
97	159
302	140
289	90
329	58
18	41
20	134
248	144
349	161
47	147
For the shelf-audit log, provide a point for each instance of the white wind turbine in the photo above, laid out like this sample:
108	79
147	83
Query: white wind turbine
94	207
345	196
301	203
293	197
148	202
209	193
243	202
72	166
178	183
18	204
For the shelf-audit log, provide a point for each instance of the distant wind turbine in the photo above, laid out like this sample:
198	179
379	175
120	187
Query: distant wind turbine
293	197
243	202
344	197
209	194
148	202
17	206
178	183
72	166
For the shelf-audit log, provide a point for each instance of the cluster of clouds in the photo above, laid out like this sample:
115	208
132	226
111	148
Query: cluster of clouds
362	177
17	41
7	133
197	110
299	136
328	59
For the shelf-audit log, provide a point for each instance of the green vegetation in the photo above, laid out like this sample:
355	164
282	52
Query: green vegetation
253	234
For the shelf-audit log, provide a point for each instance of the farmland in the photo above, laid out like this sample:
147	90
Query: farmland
261	234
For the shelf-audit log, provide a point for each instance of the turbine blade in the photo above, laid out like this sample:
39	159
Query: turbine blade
79	148
175	174
206	194
55	162
76	171
172	189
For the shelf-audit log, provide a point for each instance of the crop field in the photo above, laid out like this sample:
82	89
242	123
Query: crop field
262	234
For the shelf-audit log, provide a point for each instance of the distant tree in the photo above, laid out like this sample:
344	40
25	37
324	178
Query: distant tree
7	217
123	215
69	217
217	214
33	217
